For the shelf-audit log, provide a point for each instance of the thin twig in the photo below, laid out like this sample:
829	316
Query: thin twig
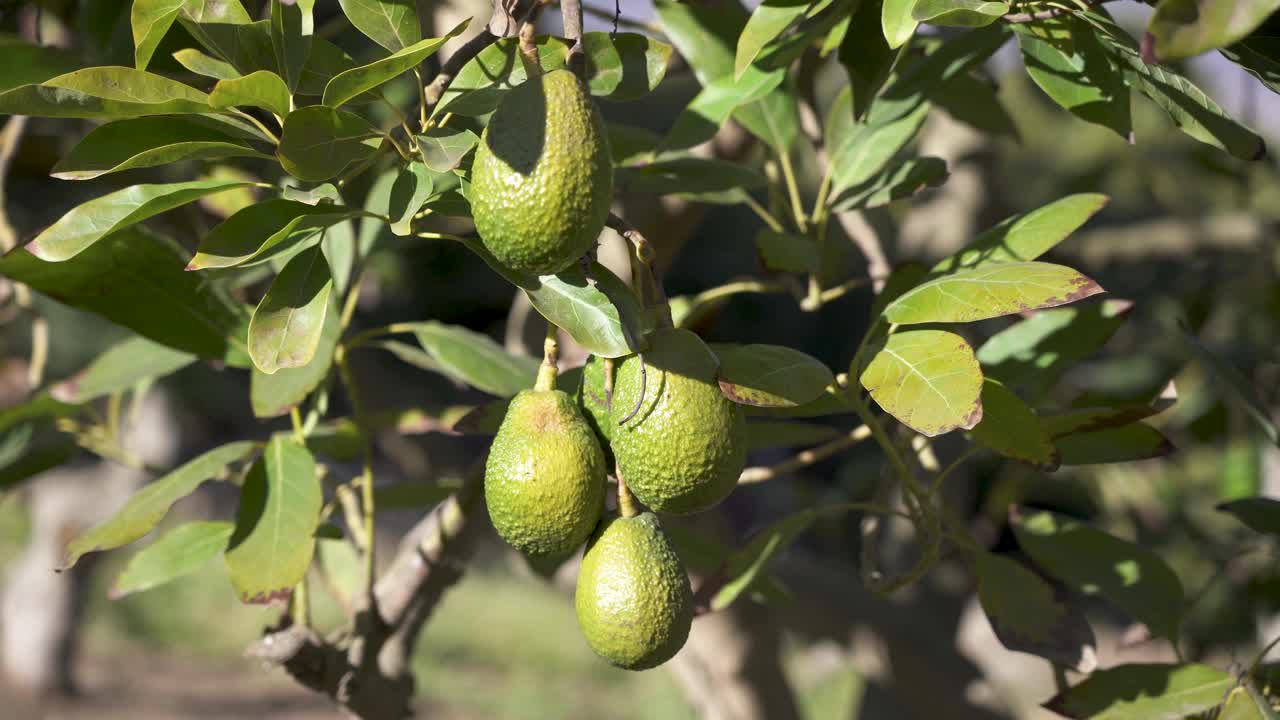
805	458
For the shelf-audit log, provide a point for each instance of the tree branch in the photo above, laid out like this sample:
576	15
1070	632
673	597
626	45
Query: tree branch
502	23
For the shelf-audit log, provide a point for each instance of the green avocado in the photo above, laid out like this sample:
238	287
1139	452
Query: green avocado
594	403
542	178
545	476
683	450
633	599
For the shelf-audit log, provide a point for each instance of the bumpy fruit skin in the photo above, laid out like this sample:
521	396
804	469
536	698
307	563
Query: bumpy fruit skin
594	403
544	480
633	600
542	179
684	450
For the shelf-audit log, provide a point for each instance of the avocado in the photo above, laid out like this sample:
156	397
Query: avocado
633	599
684	448
542	178
593	401
544	480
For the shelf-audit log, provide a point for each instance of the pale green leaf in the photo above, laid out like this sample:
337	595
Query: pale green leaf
769	20
263	231
1064	57
119	368
147	507
1246	703
202	64
958	13
895	183
28	64
179	552
600	312
286	326
861	154
897	22
990	291
150	21
104	92
1025	237
443	148
928	379
1180	29
1144	692
347	85
148	142
393	24
475	359
262	89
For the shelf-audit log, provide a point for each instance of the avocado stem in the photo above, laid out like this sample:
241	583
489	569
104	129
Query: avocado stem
550	360
528	41
627	504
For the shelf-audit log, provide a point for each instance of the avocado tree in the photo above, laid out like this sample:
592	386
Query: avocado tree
261	144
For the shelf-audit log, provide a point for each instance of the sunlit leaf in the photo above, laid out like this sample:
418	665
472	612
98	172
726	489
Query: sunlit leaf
958	13
393	24
895	183
262	89
179	552
991	291
1144	692
347	85
1035	351
897	22
1182	28
1025	237
1064	57
104	92
476	359
208	66
1010	427
264	230
928	379
119	368
148	142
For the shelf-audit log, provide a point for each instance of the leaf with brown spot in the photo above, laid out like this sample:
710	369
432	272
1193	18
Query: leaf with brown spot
770	375
287	325
928	379
990	291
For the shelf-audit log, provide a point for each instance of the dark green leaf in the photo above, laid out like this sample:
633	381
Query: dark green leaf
833	401
347	85
1025	237
1026	616
787	252
119	368
770	375
958	13
264	230
286	327
1259	55
990	291
292	26
319	142
975	102
274	540
914	80
1257	513
928	379
1237	387
147	507
88	223
625	66
148	142
1144	692
1180	29
444	148
1010	427
1034	352
745	566
895	183
34	457
393	24
179	552
412	187
104	92
324	63
475	359
1064	57
768	21
1126	443
262	89
276	394
1097	418
693	178
43	406
769	435
1092	562
411	496
862	153
246	45
866	56
120	279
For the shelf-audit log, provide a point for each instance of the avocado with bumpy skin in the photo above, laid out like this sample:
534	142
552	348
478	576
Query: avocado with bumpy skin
542	178
545	476
685	446
633	599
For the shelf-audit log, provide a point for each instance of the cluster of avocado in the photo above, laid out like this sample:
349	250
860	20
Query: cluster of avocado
541	185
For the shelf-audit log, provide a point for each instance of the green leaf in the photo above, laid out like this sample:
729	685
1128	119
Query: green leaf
148	142
1246	703
319	142
1025	237
278	393
861	154
1097	418
787	252
246	45
990	291
347	85
717	101
745	566
769	20
770	375
286	326
201	64
292	27
692	178
88	223
147	507
1259	514
625	66
1194	112
897	22
1026	617
1180	29
928	379
895	183
31	458
120	279
1010	427
1144	692
179	552
411	496
27	64
325	61
866	56
1064	57
443	148
104	92
475	359
958	13
262	89
915	80
601	313
1257	54
150	21
1127	443
1092	562
411	189
274	540
1237	387
770	435
1034	352
974	101
265	230
393	24
119	368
